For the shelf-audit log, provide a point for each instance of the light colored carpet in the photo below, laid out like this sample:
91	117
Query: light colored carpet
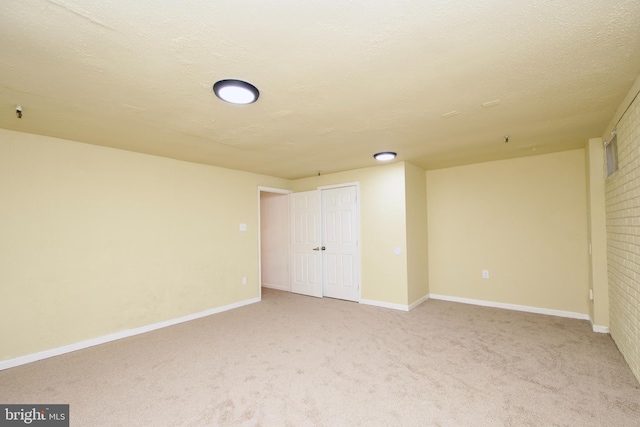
292	360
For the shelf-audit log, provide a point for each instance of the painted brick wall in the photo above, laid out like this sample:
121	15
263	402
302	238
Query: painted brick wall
623	239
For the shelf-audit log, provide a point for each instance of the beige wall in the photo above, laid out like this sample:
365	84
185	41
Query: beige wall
524	220
623	233
416	209
97	240
274	240
599	307
382	227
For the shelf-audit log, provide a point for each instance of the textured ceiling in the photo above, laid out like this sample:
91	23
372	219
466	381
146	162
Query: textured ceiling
339	80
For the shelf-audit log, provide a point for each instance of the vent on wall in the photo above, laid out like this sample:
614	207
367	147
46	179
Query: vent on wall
611	154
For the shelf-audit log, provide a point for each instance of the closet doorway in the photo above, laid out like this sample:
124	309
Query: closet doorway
273	238
309	242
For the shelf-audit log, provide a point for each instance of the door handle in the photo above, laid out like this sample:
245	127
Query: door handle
319	248
323	248
316	249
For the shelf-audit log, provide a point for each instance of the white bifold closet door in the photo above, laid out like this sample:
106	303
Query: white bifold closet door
324	243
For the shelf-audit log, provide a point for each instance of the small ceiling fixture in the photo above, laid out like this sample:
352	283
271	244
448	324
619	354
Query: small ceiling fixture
236	91
385	156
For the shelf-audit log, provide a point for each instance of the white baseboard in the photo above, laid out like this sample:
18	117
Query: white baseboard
22	360
385	304
599	329
393	306
528	309
278	287
515	307
418	302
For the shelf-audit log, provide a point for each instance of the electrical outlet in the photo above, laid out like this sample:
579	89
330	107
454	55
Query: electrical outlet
244	280
485	274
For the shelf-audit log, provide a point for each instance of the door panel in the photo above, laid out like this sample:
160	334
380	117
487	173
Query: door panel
339	237
306	277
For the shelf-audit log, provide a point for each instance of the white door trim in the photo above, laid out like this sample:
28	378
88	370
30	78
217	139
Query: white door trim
273	190
346	184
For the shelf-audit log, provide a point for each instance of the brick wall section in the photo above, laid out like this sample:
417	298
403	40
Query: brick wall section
623	239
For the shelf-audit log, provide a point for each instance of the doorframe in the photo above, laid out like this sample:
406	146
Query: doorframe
359	227
262	189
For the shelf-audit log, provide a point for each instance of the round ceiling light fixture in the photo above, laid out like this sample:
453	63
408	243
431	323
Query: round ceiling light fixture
385	156
236	91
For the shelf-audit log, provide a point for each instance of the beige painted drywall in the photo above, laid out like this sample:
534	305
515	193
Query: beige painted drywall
274	240
382	227
596	231
97	240
417	242
524	220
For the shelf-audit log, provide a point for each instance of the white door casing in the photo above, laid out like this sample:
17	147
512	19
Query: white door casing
340	264
306	256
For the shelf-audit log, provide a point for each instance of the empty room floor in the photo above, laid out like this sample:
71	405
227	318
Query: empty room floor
292	360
